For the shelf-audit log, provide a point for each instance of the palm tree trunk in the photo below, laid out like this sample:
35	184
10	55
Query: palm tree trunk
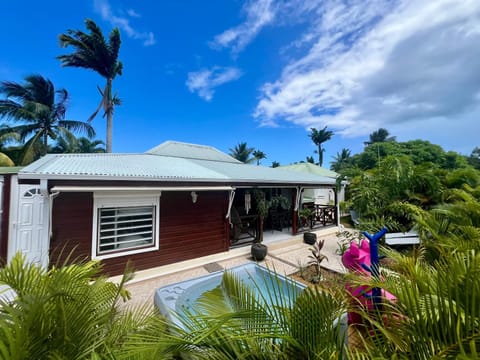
321	156
109	131
45	141
109	111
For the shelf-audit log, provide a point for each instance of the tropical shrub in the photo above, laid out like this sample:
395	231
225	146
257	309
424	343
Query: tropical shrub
236	321
436	315
67	312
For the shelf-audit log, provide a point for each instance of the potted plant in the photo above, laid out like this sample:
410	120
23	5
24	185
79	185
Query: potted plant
279	201
305	217
310	238
259	251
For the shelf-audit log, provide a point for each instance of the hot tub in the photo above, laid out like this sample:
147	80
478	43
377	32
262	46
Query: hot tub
180	297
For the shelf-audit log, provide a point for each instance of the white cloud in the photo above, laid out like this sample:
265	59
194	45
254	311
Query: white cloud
379	63
259	13
104	9
205	81
133	13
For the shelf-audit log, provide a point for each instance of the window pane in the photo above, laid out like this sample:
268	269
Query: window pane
125	228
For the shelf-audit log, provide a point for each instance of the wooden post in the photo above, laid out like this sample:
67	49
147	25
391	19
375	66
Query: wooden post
295	213
336	213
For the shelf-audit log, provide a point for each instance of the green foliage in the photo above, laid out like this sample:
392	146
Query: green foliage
259	155
316	258
451	227
437	312
419	152
454	160
341	161
38	111
5	160
461	177
71	144
381	135
93	52
279	201
242	153
474	158
390	193
67	312
304	216
236	321
319	137
345	238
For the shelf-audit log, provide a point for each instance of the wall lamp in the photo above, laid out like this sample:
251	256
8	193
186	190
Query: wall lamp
194	196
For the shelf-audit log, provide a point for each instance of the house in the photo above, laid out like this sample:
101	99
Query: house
169	204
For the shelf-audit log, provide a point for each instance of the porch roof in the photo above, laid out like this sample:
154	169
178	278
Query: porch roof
310	168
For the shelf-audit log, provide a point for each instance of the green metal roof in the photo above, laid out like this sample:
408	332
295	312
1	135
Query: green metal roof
120	166
191	151
10	169
310	169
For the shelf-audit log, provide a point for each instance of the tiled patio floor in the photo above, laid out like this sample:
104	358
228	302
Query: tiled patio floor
284	256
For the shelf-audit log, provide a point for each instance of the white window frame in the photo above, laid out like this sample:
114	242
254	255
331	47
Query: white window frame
122	199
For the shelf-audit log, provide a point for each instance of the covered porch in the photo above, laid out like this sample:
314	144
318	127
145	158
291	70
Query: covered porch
287	213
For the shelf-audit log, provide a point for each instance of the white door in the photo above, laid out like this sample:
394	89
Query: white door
29	224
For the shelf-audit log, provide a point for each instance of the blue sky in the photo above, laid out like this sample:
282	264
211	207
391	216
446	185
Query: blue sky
219	72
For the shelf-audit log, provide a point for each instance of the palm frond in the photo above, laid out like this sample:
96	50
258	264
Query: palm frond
77	126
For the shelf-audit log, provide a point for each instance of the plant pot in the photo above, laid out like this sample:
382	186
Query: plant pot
259	251
310	238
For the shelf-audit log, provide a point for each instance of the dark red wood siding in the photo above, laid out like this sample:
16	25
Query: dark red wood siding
72	218
5	218
187	230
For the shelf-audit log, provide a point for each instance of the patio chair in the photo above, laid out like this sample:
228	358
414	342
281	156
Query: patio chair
278	219
354	217
243	226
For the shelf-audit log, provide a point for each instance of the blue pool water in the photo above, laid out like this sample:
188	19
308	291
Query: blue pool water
181	296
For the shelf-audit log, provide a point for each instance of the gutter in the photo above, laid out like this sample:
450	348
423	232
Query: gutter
139	189
37	176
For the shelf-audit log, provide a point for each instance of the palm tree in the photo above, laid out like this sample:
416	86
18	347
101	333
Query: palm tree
70	144
381	135
236	321
42	110
242	153
65	144
66	312
474	158
259	155
6	135
341	159
87	146
93	52
319	137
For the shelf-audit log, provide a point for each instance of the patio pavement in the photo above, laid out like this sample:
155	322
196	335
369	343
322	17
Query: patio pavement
285	255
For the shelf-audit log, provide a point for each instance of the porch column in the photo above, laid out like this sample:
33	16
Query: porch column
337	208
295	213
